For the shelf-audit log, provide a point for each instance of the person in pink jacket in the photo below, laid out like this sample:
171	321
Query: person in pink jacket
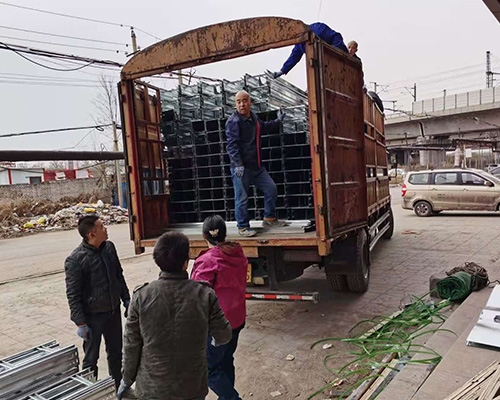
224	267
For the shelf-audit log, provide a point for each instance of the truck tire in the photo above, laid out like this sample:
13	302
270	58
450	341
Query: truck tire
388	234
360	279
337	282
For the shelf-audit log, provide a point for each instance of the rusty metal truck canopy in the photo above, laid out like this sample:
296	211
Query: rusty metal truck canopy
216	42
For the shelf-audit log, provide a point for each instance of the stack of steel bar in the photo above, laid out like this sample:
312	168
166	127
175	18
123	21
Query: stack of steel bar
193	128
25	372
80	386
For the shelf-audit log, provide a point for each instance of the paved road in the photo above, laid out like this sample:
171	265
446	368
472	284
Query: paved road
35	310
44	253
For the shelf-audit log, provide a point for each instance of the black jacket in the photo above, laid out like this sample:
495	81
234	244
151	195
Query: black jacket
94	281
165	338
243	138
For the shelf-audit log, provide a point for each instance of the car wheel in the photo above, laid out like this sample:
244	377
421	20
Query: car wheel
422	209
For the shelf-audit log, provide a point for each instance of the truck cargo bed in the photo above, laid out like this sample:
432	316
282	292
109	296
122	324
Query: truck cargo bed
294	230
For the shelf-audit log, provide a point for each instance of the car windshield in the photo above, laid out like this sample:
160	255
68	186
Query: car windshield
490	177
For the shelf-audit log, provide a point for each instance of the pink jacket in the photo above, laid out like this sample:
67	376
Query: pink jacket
224	267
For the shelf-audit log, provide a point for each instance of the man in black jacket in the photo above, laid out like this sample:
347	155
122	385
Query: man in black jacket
94	287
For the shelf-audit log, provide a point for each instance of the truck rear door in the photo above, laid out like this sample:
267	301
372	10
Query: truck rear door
342	135
146	174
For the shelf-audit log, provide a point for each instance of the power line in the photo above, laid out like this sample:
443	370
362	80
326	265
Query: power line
77	17
62	44
51	54
11	75
98	127
50	84
436	74
40	64
63	36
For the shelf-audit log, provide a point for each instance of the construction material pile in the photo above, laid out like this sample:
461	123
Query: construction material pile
484	386
193	129
49	371
28	217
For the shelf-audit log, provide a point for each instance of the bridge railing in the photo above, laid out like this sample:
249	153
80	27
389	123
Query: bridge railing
459	100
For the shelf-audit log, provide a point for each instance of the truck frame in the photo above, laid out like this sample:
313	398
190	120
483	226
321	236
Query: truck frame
347	143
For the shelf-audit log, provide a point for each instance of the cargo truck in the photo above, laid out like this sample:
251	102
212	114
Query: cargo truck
349	183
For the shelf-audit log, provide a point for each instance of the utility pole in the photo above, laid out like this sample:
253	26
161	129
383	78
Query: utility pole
118	172
488	70
134	40
413	92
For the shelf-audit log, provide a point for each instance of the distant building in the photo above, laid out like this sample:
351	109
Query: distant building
68	174
16	176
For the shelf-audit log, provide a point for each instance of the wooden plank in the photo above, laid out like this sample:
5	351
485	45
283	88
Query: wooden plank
473	383
380	380
361	389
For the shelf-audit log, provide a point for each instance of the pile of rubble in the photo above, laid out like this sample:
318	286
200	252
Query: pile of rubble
21	219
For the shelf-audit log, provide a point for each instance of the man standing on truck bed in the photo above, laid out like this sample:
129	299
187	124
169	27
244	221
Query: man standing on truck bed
243	132
322	30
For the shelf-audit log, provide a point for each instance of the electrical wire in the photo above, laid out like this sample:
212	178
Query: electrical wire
98	127
49	84
50	54
43	78
81	140
43	65
63	36
78	18
63	44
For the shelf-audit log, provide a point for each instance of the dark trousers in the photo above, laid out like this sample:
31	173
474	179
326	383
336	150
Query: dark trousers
109	326
220	362
263	181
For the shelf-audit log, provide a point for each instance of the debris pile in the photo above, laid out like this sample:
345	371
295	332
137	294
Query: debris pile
18	219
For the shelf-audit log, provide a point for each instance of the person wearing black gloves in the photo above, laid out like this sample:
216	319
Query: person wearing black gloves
322	30
243	131
94	287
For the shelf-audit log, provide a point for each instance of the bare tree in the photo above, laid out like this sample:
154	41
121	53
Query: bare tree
106	104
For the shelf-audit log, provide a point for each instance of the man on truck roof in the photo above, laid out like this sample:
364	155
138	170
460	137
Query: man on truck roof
322	30
243	131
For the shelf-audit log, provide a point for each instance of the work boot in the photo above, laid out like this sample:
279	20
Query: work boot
273	223
247	232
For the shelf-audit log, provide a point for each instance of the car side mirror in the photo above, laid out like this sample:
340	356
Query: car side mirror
489	184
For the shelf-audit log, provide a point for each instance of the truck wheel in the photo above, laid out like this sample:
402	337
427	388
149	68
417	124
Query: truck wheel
360	279
337	282
388	234
422	209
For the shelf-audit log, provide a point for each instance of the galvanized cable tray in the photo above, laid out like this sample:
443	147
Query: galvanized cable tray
80	386
32	369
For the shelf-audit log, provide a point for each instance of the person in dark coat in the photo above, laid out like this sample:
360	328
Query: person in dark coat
224	267
243	131
322	30
166	331
94	287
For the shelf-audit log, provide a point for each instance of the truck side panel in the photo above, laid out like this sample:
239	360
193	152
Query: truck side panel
146	172
341	81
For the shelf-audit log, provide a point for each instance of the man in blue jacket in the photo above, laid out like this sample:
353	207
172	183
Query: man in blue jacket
243	132
322	30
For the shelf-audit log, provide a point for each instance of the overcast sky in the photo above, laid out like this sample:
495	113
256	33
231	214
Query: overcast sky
439	44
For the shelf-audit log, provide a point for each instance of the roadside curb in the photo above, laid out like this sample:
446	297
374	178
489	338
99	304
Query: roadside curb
59	271
407	383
